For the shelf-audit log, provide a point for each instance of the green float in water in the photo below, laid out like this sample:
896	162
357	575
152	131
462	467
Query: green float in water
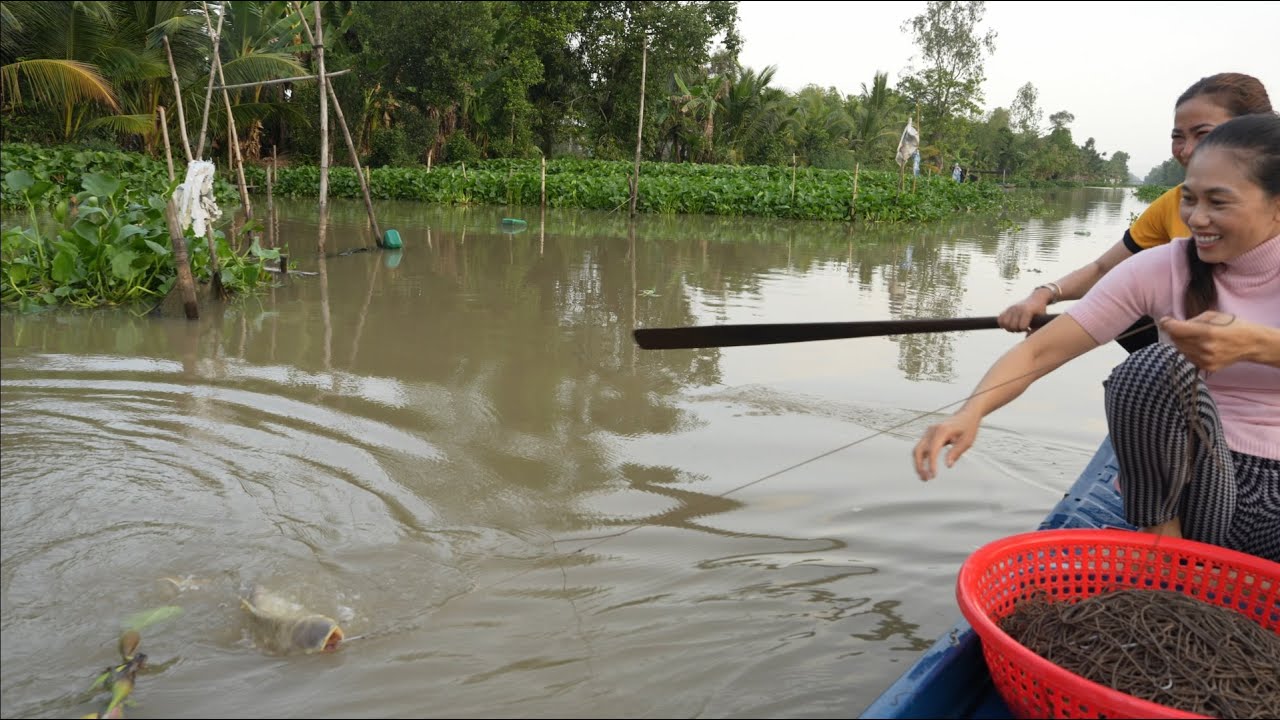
391	240
512	226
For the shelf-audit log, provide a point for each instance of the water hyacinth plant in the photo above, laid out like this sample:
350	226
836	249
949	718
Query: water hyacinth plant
106	246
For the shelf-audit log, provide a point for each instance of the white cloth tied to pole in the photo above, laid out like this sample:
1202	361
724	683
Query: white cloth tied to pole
194	198
908	144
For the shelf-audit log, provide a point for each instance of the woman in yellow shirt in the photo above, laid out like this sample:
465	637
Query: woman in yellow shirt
1208	103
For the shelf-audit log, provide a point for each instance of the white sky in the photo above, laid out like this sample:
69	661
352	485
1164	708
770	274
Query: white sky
1117	66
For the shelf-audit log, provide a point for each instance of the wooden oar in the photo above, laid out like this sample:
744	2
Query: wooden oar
705	336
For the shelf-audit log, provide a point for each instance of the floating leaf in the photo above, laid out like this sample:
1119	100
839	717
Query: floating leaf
129	231
19	180
100	185
122	264
256	249
147	618
38	190
64	266
86	230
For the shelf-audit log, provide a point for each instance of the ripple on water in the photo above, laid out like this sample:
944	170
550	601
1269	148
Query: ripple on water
112	482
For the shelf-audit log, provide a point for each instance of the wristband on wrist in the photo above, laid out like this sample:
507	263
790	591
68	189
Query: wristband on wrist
1055	291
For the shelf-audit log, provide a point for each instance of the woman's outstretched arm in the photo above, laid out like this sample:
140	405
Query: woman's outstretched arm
1041	353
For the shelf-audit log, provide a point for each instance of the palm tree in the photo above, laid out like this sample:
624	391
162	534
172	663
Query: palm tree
752	110
871	117
103	65
134	58
50	48
817	123
258	42
700	102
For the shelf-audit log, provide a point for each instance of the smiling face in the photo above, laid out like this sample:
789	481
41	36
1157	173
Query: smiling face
1228	212
1192	120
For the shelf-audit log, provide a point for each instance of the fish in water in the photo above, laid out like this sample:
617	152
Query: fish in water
284	627
119	680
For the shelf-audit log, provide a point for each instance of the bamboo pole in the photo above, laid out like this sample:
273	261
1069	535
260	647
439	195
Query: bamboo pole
233	137
430	152
327	89
793	179
280	81
274	218
318	47
544	182
185	285
853	201
635	178
271	205
164	131
208	91
177	94
921	136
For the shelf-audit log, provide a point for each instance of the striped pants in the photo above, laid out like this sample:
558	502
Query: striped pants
1154	401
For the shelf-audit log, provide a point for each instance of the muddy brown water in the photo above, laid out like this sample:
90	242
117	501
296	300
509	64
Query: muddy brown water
458	452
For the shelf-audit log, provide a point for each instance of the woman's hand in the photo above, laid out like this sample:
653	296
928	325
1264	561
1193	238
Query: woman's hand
958	431
1213	340
1017	317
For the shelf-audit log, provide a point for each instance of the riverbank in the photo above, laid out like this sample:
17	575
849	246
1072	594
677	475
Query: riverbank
665	188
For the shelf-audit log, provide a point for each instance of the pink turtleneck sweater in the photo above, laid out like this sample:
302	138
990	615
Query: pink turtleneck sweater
1152	283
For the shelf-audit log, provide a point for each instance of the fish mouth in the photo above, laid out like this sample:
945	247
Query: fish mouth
332	640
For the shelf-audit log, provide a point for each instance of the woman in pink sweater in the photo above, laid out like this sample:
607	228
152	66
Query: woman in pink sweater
1195	418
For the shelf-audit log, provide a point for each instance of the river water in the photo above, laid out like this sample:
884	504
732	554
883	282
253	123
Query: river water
458	452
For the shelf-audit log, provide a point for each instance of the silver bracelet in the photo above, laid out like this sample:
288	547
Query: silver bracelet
1055	291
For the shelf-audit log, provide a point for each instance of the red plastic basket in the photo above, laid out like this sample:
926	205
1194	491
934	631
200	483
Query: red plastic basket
1070	565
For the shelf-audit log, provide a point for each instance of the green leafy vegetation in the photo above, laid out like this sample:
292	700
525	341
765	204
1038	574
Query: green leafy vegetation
666	188
110	246
1149	193
64	168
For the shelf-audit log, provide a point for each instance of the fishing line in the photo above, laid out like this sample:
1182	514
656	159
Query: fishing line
606	538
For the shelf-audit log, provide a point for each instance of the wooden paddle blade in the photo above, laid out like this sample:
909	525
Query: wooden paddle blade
704	336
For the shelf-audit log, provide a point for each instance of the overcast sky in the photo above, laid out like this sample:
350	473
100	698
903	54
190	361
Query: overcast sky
1117	66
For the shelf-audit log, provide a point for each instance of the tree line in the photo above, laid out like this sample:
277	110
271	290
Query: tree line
433	82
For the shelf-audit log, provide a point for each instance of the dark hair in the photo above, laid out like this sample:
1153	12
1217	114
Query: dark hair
1255	142
1237	93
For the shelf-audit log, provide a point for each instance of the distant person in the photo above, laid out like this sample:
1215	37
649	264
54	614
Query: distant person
1195	417
1208	103
955	172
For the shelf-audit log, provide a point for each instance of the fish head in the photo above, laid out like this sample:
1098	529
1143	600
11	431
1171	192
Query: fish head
129	642
316	633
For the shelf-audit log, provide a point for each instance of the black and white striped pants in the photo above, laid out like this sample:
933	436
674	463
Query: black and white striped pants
1226	498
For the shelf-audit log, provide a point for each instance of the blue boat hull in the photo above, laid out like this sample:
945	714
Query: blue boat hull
951	680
